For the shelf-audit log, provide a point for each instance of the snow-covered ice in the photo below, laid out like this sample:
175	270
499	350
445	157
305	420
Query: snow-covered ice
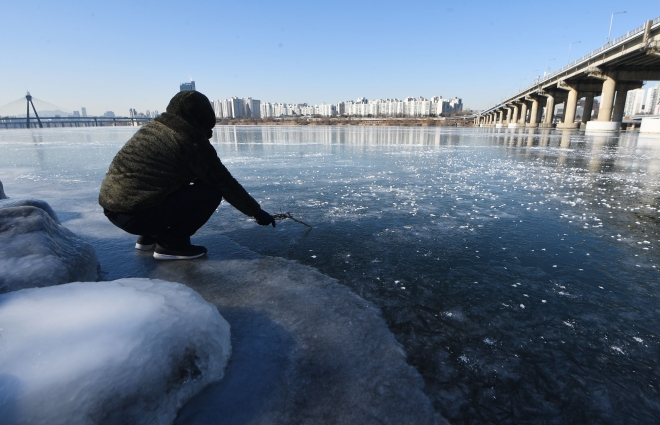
36	250
37	203
126	351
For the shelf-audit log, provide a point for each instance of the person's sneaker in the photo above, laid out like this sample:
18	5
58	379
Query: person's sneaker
179	253
145	243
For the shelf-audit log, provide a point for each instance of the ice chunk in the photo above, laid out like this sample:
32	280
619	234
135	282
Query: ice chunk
7	203
35	250
2	192
127	351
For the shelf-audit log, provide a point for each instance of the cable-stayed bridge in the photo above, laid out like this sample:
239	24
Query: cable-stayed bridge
30	112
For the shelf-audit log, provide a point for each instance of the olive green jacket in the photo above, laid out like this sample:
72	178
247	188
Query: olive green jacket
164	155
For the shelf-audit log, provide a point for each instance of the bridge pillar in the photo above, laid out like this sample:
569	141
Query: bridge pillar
607	99
569	110
534	113
500	119
523	114
620	102
513	121
542	101
604	122
549	111
588	107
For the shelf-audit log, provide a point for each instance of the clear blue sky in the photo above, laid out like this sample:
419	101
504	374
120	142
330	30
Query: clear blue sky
122	54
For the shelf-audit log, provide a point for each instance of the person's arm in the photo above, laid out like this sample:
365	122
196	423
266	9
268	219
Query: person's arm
206	165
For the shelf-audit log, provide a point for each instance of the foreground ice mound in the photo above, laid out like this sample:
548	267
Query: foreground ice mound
127	351
36	250
8	202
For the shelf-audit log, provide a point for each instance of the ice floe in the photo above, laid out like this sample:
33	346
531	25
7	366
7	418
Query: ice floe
126	351
36	250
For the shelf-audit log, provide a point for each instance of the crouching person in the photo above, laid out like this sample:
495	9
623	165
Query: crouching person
167	180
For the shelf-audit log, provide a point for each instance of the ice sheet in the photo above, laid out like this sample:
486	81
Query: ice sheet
457	217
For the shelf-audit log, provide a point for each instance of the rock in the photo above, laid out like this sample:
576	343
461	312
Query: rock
130	351
2	192
36	250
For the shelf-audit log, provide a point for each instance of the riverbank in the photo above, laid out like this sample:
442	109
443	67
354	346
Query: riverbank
349	121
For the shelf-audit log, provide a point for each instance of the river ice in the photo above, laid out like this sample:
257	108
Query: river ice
449	232
36	250
127	351
305	348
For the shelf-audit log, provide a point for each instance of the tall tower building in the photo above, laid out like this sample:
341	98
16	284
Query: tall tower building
187	86
84	111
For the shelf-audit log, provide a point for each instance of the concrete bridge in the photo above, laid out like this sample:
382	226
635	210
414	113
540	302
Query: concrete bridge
609	72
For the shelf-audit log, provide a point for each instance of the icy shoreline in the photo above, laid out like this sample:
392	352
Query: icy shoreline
127	351
37	251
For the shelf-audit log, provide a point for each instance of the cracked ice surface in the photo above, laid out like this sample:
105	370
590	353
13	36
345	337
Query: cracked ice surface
127	351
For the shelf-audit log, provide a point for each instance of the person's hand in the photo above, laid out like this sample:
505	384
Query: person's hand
264	219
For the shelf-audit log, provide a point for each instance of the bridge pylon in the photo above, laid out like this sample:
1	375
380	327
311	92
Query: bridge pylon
28	96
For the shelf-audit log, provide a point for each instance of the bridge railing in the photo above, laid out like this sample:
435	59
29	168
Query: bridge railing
21	122
630	34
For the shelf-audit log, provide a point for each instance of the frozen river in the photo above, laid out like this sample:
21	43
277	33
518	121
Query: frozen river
519	270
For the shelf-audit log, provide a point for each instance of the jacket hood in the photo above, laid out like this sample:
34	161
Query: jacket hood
194	108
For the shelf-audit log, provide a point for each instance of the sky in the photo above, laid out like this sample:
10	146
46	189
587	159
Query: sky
134	54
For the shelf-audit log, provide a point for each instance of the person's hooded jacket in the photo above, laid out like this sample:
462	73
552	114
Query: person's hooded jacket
167	153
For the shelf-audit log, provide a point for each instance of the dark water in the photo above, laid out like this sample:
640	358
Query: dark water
518	269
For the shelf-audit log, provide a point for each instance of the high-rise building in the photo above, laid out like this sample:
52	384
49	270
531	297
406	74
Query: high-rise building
252	108
84	111
187	86
109	114
634	101
76	114
237	107
652	99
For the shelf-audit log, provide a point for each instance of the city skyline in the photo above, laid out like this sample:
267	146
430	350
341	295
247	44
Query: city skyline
236	107
112	57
